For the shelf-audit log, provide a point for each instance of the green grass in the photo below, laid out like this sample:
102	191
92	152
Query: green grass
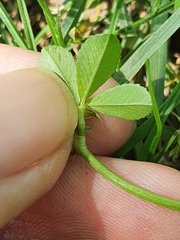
143	40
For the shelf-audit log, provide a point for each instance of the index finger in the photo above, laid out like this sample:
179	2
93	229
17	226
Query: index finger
14	58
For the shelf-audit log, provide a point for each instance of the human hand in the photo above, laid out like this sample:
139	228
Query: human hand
36	125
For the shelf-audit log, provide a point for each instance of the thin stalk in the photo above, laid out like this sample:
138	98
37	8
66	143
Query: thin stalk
156	5
176	5
27	24
146	19
11	27
56	33
81	148
167	146
156	138
72	18
42	33
115	15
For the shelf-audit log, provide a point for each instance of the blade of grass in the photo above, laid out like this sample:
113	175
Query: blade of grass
156	4
54	29
155	140
176	5
42	33
72	18
125	20
114	15
157	61
11	27
146	19
167	146
157	64
27	25
150	46
158	69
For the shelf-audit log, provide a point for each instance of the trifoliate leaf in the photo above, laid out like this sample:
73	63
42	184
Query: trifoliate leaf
60	61
128	101
96	62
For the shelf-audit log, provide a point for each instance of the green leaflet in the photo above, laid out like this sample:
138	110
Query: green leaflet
96	62
128	101
60	61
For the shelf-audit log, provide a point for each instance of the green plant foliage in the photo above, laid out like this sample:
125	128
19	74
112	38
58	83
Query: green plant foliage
11	27
58	59
149	47
54	28
72	17
176	5
129	101
27	25
97	60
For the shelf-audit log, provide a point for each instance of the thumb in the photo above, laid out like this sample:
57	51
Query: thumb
37	121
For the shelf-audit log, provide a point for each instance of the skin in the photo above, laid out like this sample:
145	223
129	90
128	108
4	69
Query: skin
44	193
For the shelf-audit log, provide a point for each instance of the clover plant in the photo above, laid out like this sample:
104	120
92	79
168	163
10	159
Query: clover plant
97	60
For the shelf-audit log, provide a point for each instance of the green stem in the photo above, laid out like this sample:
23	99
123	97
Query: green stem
156	138
54	28
27	25
11	27
42	33
81	148
115	15
146	19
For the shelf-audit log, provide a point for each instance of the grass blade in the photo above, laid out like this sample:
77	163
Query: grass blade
27	25
146	19
72	18
167	146
125	20
149	47
41	34
157	136
11	27
157	61
54	28
115	15
176	5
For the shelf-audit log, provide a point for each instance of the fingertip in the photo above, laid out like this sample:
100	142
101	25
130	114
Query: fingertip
37	116
15	58
108	135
